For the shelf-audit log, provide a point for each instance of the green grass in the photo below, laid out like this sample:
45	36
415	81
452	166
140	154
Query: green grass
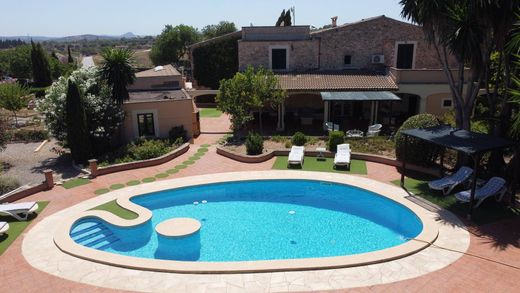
161	175
75	183
101	191
117	186
202	150
172	171
189	162
312	164
182	166
210	113
116	209
16	227
148	180
490	211
205	145
133	183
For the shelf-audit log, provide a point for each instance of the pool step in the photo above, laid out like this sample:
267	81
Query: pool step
94	235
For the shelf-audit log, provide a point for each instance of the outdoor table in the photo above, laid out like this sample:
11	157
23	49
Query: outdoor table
320	151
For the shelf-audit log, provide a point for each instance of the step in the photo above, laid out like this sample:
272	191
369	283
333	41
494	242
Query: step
95	239
106	243
81	228
92	234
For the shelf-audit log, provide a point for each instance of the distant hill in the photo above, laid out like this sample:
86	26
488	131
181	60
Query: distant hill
88	37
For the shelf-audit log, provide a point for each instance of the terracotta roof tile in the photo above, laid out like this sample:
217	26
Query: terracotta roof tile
341	80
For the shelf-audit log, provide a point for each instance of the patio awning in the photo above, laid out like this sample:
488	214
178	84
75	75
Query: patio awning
359	96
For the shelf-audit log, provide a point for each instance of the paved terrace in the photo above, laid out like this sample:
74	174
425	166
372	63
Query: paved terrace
491	264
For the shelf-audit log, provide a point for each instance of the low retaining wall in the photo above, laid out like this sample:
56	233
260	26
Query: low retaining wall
95	171
357	156
48	184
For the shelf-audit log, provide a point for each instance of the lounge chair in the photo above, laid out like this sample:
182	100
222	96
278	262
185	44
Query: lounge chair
495	186
3	227
446	184
342	157
19	211
373	130
296	156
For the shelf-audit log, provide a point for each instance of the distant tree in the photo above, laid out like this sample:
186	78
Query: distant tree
118	70
70	59
13	98
16	62
172	44
284	19
4	136
247	91
77	132
215	30
40	66
54	56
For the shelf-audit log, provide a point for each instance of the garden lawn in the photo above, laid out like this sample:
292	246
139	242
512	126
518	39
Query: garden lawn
75	183
312	164
210	113
490	211
114	208
16	227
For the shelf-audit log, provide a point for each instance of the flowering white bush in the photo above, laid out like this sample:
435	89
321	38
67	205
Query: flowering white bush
104	115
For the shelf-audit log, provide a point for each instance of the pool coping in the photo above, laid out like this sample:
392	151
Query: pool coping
65	243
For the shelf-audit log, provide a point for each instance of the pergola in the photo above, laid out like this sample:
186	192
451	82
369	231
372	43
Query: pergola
470	143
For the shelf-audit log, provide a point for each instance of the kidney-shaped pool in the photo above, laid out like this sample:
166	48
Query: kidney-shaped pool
255	220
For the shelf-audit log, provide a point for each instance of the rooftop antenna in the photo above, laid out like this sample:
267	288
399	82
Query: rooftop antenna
293	10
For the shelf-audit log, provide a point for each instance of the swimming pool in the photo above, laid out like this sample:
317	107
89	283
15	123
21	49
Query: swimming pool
257	222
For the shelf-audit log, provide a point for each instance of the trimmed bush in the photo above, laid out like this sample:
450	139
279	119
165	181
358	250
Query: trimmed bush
148	149
299	139
254	144
8	184
418	151
178	134
335	138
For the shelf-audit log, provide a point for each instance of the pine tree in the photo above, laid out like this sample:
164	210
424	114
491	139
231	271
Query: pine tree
70	60
77	132
40	66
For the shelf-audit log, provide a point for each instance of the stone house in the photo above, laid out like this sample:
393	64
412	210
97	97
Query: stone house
377	70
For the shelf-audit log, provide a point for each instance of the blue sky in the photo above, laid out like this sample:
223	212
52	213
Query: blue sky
115	17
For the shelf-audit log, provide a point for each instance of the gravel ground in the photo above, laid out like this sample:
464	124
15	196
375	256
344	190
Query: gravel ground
20	161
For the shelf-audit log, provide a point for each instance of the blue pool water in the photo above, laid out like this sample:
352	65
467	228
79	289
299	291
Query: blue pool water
263	220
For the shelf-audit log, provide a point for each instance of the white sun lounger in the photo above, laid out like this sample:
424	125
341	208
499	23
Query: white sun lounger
4	227
342	157
495	186
446	184
296	156
19	211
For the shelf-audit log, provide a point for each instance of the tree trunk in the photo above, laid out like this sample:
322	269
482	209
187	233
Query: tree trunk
15	119
260	120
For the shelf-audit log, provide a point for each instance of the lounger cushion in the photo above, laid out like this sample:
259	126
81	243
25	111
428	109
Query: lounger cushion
17	207
492	187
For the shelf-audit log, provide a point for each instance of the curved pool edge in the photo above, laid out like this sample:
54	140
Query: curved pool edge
64	242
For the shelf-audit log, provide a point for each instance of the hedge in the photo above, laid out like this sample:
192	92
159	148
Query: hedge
418	151
215	61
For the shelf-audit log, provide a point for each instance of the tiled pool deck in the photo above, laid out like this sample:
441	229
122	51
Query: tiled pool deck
491	263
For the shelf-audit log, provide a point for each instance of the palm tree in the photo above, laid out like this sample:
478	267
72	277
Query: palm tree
118	70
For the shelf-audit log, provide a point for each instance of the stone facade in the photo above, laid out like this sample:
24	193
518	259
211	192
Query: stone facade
326	49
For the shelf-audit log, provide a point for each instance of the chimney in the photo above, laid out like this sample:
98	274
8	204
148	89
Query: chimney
334	21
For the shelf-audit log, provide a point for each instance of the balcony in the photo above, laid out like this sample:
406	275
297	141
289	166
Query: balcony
422	76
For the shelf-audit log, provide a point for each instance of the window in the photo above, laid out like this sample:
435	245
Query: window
405	56
145	124
447	103
347	60
278	59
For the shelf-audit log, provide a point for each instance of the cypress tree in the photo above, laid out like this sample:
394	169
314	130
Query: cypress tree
70	60
287	20
40	66
280	19
77	131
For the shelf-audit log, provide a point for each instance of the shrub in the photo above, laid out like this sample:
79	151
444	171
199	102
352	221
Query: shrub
8	184
418	151
299	139
148	149
254	144
335	138
288	144
30	135
278	138
178	132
